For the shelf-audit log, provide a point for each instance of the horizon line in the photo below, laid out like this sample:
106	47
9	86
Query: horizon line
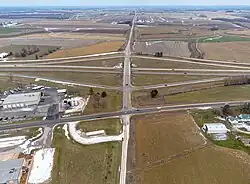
126	5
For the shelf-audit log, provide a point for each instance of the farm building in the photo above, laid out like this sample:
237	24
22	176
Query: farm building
11	171
215	128
21	100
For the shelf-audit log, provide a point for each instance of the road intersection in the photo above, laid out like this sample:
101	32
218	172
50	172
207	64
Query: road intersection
238	69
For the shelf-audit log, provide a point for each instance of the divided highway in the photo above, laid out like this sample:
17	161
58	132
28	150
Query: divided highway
107	115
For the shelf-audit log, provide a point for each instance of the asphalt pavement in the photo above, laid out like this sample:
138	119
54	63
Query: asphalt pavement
108	115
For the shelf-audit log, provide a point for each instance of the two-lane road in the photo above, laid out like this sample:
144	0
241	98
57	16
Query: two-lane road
125	114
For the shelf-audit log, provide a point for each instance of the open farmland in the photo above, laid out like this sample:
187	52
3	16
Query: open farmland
97	62
239	32
77	24
142	80
8	30
99	163
93	49
157	63
171	150
111	126
227	51
168	48
219	38
211	95
37	39
171	32
81	77
79	36
191	93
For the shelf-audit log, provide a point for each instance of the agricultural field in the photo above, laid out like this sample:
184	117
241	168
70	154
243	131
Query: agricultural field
171	32
80	77
111	126
227	51
142	80
80	36
171	150
8	30
239	32
77	24
195	93
93	49
99	163
168	48
38	39
211	95
217	38
158	63
96	62
17	51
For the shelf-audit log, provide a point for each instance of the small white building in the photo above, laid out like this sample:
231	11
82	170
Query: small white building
215	128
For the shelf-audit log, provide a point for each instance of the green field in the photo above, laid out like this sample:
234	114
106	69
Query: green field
229	93
8	30
111	126
141	80
75	163
81	77
222	39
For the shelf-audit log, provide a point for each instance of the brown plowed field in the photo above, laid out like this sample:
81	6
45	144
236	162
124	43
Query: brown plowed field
93	49
227	51
170	149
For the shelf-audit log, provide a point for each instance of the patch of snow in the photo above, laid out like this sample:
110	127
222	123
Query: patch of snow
27	144
11	141
82	138
119	66
65	128
3	54
96	133
79	104
204	108
134	65
213	38
42	166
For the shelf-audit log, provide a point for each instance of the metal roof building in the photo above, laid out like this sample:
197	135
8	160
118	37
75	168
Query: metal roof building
21	100
215	128
11	171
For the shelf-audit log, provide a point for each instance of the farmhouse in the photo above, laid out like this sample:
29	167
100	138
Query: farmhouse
21	100
215	128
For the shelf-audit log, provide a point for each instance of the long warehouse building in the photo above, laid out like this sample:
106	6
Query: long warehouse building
21	100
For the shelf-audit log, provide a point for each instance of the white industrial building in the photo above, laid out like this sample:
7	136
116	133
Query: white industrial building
215	128
21	100
11	171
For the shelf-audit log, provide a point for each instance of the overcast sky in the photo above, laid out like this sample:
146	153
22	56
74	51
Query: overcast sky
120	2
